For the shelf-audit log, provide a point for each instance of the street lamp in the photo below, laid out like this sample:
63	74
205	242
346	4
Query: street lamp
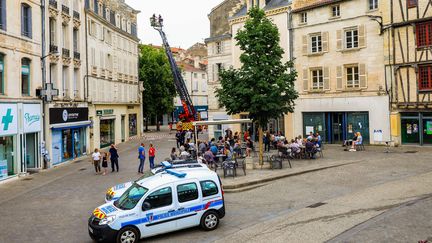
55	53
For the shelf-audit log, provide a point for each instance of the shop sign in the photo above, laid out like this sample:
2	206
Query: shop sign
99	113
108	112
8	119
32	118
378	135
429	127
3	169
67	115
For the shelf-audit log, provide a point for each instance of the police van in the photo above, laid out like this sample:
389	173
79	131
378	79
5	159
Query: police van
168	201
113	193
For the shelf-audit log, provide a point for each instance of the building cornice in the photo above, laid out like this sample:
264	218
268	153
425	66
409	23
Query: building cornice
270	12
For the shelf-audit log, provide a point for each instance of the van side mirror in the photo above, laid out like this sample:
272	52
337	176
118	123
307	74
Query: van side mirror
146	206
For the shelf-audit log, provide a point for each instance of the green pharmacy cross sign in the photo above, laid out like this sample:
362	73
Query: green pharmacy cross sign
7	119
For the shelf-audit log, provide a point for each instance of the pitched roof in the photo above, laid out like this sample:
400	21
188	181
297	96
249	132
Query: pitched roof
269	6
299	6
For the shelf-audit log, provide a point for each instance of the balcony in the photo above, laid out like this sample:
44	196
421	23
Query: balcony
65	9
120	76
94	71
53	11
53	48
65	14
103	73
76	19
77	55
53	4
76	59
65	52
110	74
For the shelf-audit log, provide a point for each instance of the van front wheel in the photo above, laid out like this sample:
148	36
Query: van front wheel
210	221
128	235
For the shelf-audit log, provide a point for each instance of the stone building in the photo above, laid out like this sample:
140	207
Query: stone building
219	56
407	57
339	56
20	77
112	74
67	123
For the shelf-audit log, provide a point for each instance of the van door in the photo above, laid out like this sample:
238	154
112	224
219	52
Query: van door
158	219
189	204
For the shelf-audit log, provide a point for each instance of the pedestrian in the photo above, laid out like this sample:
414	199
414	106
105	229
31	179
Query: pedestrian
105	163
96	160
170	127
152	152
173	154
141	157
178	139
114	158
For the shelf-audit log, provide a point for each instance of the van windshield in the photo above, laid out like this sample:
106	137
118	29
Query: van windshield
145	175
131	197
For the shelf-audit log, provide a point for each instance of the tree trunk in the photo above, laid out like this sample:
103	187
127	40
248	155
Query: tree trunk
157	124
261	147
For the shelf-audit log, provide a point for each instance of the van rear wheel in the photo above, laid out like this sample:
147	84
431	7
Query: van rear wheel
128	235
210	220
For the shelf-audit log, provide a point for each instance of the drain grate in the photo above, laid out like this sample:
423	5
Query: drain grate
316	205
411	152
82	169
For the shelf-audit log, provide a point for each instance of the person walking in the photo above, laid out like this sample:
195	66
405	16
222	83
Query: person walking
141	157
152	152
178	139
105	163
114	158
96	160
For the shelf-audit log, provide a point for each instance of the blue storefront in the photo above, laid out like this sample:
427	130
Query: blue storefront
201	110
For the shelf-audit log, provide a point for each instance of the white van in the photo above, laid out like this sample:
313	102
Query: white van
113	193
168	201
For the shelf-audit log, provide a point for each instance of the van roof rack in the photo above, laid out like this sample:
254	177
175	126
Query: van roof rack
179	174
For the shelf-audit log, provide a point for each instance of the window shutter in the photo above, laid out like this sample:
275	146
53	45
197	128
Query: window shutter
324	39
3	14
30	25
305	79
326	74
362	76
305	45
339	39
362	35
22	20
339	77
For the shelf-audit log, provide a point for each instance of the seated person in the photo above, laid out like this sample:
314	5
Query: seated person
349	143
184	155
310	148
214	149
295	147
356	142
249	147
209	157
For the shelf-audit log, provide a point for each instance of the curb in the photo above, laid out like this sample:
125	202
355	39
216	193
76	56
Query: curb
257	183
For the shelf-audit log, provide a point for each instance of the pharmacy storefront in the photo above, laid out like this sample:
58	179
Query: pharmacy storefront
68	133
19	138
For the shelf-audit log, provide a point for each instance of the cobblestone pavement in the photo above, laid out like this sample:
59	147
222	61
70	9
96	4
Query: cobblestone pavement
53	206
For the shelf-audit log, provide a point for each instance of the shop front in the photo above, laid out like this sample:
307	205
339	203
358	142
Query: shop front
107	131
416	128
68	133
9	165
32	127
133	125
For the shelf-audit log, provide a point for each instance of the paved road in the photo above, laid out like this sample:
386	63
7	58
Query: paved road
55	205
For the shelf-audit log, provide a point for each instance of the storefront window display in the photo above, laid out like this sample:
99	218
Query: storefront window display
7	163
68	144
107	136
133	131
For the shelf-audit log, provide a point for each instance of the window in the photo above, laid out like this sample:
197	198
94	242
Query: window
187	192
351	39
160	198
218	47
336	11
208	188
195	75
65	37
424	34
26	20
316	44
25	76
373	4
303	18
352	77
2	88
425	77
75	82
3	14
411	3
75	40
95	6
65	82
52	31
195	85
203	76
317	79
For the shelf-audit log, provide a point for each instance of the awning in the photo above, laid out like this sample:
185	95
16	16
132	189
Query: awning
220	122
107	117
70	125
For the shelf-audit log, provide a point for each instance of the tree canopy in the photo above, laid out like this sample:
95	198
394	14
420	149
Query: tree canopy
159	90
264	85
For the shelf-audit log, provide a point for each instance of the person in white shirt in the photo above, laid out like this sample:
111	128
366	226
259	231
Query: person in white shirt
96	160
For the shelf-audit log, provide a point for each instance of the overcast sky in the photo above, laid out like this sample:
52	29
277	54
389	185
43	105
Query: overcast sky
185	21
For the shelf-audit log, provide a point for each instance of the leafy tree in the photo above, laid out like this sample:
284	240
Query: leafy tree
264	85
159	90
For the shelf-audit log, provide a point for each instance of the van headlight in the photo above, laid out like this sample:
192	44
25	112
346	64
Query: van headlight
107	220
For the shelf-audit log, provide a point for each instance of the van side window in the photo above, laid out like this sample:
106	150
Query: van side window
209	188
160	198
187	192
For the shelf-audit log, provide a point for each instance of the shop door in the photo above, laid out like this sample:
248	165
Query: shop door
427	130
314	122
31	152
123	135
337	128
67	144
410	130
358	122
77	143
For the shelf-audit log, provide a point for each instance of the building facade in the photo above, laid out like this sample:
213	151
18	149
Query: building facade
112	77
407	35
339	98
67	121
20	77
